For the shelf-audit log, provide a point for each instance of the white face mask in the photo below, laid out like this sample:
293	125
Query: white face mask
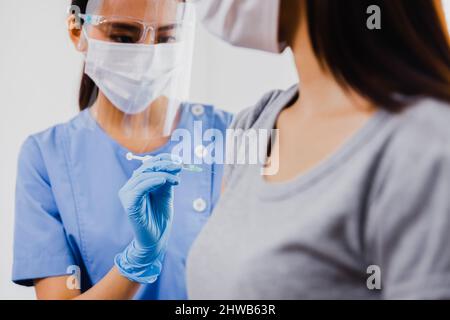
250	24
132	76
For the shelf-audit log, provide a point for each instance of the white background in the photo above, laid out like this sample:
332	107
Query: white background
39	78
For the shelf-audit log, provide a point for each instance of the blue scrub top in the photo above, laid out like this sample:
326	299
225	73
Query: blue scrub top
68	212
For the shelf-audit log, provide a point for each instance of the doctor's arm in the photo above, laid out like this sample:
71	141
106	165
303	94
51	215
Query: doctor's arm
113	286
42	254
147	199
41	251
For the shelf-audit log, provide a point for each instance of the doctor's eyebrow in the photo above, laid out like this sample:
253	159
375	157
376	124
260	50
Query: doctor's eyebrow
168	27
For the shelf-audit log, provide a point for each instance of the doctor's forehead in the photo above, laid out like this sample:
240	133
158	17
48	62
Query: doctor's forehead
147	10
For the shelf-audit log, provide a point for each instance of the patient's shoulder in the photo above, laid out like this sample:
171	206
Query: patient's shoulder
269	105
430	117
424	123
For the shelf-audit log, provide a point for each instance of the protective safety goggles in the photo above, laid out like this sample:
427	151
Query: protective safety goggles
120	29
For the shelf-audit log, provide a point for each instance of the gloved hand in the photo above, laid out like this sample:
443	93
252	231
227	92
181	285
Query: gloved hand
148	200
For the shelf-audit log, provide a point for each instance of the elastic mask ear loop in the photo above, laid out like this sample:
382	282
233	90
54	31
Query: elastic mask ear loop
84	40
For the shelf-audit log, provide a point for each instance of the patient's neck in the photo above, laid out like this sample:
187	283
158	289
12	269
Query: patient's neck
320	92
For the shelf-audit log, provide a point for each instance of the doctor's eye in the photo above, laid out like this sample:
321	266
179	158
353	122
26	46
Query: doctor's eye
123	33
166	39
167	34
122	39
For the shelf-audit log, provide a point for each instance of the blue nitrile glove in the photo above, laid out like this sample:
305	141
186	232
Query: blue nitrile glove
148	200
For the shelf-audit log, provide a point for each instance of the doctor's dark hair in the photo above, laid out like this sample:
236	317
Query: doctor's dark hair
88	89
408	58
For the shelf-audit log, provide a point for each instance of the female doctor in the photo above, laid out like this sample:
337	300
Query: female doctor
74	236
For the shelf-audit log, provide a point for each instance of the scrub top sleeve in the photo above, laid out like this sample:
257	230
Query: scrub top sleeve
409	222
40	246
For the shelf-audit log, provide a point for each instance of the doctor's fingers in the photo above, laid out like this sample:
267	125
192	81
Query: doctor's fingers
153	182
167	163
164	166
137	177
133	182
160	166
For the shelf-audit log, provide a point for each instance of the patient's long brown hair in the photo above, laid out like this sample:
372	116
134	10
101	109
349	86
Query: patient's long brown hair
408	58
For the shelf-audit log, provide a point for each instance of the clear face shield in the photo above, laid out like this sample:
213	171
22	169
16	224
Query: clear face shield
139	54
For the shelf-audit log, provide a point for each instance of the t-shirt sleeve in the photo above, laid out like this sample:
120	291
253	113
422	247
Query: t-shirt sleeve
244	120
40	246
237	123
222	121
409	220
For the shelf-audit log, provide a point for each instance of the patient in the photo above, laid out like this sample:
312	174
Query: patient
363	184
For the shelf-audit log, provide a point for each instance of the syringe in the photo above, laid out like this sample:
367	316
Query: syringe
188	167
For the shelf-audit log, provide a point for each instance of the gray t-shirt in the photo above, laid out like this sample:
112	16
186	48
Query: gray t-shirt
382	201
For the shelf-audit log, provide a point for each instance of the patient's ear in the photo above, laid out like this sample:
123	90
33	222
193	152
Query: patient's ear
74	29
